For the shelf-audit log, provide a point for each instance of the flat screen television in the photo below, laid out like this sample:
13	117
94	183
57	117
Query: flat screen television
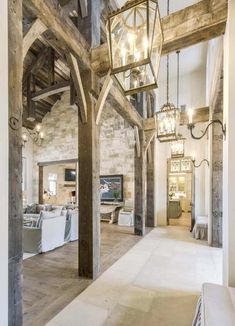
111	188
70	175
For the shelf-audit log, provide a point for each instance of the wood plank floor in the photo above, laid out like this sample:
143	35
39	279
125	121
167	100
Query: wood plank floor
51	280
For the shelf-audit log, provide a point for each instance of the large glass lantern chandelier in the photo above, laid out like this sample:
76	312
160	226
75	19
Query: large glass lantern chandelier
135	43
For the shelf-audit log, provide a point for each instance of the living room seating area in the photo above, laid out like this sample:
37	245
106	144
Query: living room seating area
47	227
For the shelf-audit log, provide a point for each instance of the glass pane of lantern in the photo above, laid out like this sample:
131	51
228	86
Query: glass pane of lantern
136	77
133	46
167	124
129	39
156	32
177	148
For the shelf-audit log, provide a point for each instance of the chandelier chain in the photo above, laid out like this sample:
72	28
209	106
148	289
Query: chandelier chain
167	62
178	76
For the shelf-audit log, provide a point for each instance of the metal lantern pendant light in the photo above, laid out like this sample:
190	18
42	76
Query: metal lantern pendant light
135	43
168	117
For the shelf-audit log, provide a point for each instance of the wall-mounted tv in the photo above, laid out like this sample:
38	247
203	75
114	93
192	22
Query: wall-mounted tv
70	175
111	188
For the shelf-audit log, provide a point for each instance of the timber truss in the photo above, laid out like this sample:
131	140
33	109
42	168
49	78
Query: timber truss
50	27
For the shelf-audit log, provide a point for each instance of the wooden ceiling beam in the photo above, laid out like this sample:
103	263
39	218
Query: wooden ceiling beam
36	29
77	81
52	15
194	24
200	115
51	90
83	8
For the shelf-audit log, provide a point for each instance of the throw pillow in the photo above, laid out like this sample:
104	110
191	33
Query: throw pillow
31	209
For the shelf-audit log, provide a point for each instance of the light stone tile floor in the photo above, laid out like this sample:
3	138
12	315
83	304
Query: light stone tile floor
157	282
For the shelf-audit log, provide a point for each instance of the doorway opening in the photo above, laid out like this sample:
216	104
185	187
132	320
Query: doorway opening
180	193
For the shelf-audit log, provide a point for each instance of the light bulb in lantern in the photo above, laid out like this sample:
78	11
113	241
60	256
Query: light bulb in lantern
193	156
41	135
137	56
38	127
24	137
190	116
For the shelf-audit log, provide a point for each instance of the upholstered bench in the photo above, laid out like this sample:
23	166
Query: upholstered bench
216	306
200	228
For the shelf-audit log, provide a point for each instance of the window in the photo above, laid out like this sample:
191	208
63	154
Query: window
52	178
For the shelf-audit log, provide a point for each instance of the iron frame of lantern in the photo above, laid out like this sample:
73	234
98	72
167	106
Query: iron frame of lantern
147	61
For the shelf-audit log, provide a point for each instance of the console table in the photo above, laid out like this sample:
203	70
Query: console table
109	212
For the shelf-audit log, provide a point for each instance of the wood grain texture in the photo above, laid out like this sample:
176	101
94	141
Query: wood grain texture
140	189
102	96
15	39
51	280
194	24
51	90
53	17
77	81
36	29
89	195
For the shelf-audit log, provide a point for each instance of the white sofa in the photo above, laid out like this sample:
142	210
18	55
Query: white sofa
216	306
47	235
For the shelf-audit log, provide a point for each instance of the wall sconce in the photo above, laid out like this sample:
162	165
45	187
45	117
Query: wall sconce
36	135
198	166
24	139
191	126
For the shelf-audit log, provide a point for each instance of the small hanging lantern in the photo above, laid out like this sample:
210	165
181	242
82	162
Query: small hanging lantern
177	148
135	42
168	118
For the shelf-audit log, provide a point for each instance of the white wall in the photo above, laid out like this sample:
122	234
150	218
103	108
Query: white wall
229	151
192	92
4	163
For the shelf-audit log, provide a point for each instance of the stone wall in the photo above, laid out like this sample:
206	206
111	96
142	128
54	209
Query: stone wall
61	137
60	128
117	149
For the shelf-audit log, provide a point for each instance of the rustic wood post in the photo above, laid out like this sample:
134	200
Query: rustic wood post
140	188
89	160
150	186
40	184
15	163
150	168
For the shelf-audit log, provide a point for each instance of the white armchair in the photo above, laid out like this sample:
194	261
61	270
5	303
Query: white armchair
48	235
126	214
72	224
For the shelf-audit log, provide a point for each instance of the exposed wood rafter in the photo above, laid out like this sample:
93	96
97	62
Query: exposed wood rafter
83	7
36	29
51	90
149	135
137	140
200	115
103	96
194	24
53	16
75	72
